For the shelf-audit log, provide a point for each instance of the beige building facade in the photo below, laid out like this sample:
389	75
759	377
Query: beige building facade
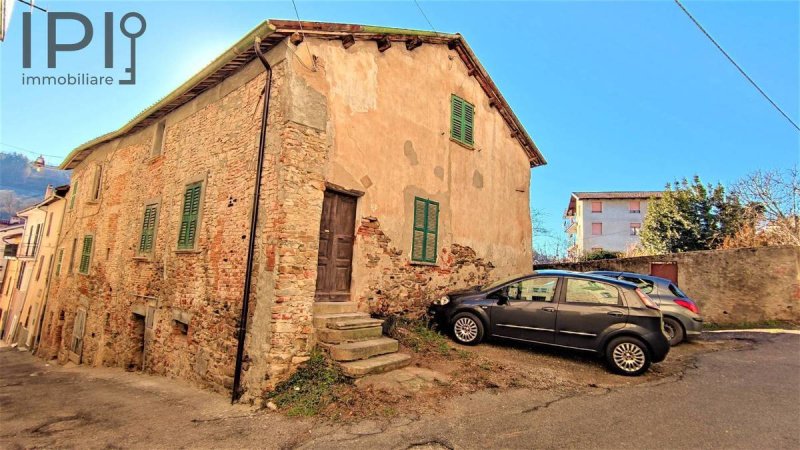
608	221
392	171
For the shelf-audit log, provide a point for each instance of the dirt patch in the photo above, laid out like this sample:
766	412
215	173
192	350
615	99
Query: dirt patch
442	369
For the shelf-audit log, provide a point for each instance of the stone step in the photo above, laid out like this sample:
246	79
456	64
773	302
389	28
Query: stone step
330	336
335	307
377	364
354	324
352	351
322	320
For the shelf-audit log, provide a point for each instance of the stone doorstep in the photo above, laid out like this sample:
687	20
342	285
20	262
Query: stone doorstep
322	320
377	364
335	307
327	335
352	351
354	324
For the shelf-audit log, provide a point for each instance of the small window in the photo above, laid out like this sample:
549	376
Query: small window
426	230
147	236
592	292
39	269
180	328
59	260
86	254
597	228
636	228
74	191
72	255
462	121
158	139
597	207
97	183
635	206
187	235
539	289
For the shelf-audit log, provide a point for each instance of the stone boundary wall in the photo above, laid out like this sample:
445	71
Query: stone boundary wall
731	286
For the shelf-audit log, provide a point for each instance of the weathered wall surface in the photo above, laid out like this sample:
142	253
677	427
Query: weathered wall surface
213	139
730	286
387	122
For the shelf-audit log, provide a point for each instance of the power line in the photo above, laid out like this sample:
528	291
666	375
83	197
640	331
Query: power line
425	16
28	151
302	33
738	67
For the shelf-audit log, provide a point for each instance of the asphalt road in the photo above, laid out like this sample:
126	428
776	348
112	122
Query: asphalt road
746	398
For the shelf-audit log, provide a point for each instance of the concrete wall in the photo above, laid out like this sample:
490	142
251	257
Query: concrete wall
730	286
616	219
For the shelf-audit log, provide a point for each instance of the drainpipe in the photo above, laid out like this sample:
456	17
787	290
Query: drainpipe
248	275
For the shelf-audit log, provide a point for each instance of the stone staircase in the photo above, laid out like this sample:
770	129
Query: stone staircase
355	340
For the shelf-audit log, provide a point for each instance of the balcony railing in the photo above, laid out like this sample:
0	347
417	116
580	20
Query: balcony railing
27	250
10	250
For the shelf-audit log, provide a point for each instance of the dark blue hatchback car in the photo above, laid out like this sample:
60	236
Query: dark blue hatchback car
609	317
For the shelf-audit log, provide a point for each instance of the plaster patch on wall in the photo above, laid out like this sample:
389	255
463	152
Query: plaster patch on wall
366	181
477	179
354	79
439	172
410	153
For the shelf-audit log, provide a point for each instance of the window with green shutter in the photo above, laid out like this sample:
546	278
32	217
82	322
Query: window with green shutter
462	120
426	230
86	254
58	261
191	211
148	228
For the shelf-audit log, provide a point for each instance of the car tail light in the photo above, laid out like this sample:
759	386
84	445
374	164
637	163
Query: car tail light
648	302
688	304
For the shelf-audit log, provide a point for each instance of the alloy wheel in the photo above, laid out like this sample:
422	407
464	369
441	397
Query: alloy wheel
629	357
466	330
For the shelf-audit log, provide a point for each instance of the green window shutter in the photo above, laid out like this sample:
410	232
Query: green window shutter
86	254
58	261
74	194
426	230
462	120
148	229
191	210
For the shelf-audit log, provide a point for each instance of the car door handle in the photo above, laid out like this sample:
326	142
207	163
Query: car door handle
548	309
615	313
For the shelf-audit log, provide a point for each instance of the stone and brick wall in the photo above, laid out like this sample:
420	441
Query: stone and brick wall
730	286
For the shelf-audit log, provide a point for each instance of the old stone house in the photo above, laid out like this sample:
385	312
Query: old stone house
392	170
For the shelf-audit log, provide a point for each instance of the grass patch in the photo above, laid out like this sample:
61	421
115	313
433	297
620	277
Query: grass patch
416	335
311	388
748	325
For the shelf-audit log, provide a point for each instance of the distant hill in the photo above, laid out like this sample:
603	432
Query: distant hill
21	185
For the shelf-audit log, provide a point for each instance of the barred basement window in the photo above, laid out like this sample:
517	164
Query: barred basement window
462	117
189	220
147	236
86	254
426	230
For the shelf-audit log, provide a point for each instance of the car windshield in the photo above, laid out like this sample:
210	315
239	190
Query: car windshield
498	283
674	289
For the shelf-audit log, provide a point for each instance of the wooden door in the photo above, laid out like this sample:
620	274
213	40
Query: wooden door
336	235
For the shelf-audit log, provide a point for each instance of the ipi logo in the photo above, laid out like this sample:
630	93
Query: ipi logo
54	46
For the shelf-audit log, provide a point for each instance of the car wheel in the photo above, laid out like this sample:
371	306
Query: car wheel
627	355
467	329
674	331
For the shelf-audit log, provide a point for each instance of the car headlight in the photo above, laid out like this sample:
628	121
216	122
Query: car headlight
442	301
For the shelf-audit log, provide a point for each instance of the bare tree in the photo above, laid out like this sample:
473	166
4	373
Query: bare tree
774	198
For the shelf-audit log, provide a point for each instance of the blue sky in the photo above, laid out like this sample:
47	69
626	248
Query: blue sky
617	95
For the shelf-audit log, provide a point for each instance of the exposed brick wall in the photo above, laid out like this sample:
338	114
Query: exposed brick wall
731	286
398	286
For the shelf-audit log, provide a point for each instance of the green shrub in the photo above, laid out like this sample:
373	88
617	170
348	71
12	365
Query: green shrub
311	388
